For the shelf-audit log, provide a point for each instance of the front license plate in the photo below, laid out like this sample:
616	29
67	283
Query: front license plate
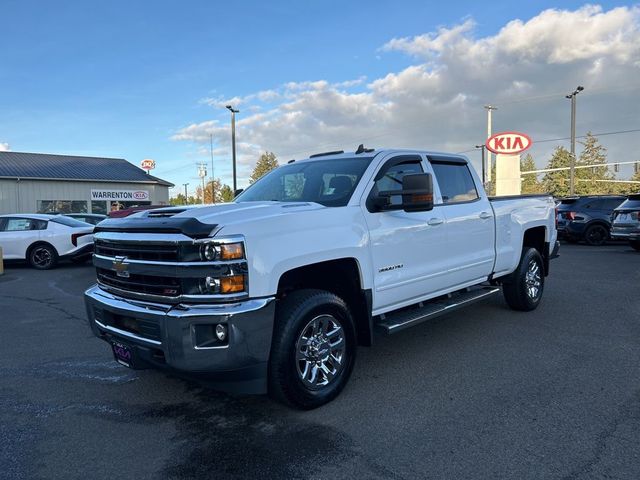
122	353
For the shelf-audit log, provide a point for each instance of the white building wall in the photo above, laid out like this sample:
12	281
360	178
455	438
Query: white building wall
23	196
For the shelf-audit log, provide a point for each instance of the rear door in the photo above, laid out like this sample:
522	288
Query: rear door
17	234
470	222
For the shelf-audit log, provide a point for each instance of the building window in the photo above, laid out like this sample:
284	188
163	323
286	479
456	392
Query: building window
62	206
99	206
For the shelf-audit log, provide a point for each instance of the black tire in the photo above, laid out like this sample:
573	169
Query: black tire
596	235
42	256
523	288
635	244
295	315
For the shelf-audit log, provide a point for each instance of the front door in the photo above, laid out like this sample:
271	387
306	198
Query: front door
408	248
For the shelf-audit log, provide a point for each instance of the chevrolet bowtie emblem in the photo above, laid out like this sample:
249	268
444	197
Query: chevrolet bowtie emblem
121	267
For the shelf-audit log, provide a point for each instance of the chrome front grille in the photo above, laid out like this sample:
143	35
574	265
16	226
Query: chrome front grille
138	250
147	284
163	268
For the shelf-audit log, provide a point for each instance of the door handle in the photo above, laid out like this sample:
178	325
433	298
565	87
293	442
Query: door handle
435	221
485	215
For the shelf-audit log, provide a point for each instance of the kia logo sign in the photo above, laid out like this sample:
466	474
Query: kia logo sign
148	164
140	195
508	143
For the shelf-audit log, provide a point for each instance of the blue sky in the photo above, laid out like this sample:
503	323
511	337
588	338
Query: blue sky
121	78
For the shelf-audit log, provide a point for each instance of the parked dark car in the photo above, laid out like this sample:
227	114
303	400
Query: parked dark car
587	218
92	218
626	221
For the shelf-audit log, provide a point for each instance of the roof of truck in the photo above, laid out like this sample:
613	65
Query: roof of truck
370	155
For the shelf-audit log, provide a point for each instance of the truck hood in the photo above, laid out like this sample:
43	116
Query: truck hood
231	213
198	222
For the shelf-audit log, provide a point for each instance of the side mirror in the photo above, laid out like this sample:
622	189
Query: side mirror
417	194
238	192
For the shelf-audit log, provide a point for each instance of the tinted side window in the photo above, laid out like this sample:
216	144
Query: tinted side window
612	203
456	182
390	178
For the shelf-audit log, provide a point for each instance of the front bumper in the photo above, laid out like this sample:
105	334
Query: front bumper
171	336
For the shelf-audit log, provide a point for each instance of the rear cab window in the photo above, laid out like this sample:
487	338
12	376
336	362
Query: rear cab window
455	181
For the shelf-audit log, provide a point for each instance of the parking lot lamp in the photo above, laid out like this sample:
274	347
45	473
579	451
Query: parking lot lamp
233	143
572	176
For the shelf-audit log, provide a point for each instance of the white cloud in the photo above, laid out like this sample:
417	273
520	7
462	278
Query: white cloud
4	147
525	69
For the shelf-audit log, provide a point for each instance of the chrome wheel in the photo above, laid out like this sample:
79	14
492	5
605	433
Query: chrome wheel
320	351
533	280
42	257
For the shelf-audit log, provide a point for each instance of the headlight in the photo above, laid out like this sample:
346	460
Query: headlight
209	252
212	251
232	251
233	284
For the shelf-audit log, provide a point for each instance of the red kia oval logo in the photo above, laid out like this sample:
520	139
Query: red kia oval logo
508	143
140	195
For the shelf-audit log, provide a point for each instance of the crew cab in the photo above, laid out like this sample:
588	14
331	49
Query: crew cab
274	291
43	239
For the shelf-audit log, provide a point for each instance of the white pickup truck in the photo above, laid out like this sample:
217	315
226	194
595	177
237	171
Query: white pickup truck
274	291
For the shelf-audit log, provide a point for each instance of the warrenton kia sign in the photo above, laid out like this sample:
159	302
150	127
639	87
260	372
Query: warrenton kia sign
127	195
508	143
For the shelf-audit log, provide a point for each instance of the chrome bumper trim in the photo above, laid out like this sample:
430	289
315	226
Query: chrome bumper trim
124	333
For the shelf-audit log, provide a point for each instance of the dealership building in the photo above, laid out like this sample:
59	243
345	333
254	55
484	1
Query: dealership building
45	183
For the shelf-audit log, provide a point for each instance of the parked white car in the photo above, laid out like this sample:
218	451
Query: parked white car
44	239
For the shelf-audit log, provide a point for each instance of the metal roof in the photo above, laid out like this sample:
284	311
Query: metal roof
45	166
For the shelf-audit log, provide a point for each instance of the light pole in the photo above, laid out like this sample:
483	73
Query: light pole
484	174
572	177
186	196
489	108
233	144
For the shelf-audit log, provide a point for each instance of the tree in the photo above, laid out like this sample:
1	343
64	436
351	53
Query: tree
226	193
265	164
592	181
557	183
179	199
530	183
213	191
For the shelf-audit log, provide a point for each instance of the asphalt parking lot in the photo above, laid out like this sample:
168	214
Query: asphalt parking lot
484	393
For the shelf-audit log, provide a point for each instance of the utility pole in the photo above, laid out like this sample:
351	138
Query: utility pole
233	144
202	173
489	108
484	173
213	174
186	195
572	172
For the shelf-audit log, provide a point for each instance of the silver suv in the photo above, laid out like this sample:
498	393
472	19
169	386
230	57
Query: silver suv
626	221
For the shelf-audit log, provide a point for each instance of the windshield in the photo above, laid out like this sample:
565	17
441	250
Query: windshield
327	182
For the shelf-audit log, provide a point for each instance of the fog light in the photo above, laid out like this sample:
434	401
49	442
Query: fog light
221	332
